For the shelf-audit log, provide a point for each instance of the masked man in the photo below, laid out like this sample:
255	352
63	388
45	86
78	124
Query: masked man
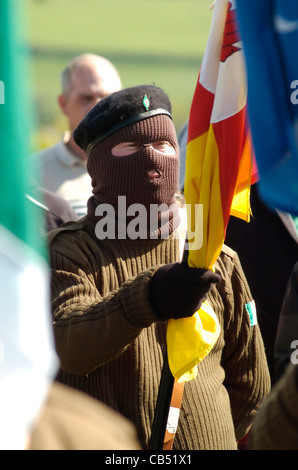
117	279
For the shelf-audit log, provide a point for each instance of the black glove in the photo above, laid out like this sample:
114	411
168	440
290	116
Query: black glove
178	291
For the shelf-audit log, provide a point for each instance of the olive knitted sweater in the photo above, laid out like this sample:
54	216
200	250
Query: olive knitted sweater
275	426
111	343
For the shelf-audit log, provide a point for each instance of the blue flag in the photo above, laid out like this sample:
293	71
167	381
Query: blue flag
269	30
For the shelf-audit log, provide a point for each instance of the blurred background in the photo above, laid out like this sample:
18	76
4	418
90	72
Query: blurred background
157	42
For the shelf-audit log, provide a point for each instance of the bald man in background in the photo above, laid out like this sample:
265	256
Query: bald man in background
86	80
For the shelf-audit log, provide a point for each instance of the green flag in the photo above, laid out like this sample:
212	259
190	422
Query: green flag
17	169
27	359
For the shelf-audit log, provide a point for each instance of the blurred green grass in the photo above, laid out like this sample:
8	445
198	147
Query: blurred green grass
149	41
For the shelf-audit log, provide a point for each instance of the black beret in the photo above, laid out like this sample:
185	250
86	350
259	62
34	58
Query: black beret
118	110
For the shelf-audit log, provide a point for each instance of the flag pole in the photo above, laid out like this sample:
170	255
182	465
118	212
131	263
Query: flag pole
162	407
163	399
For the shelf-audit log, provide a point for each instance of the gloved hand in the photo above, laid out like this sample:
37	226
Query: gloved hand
178	291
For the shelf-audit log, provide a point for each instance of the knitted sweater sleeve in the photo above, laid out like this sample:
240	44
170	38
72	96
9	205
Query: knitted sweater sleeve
247	377
91	329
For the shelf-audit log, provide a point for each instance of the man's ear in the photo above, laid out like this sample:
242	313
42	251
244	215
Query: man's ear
62	101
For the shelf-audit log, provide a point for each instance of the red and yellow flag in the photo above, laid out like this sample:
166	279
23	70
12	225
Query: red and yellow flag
219	171
219	163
